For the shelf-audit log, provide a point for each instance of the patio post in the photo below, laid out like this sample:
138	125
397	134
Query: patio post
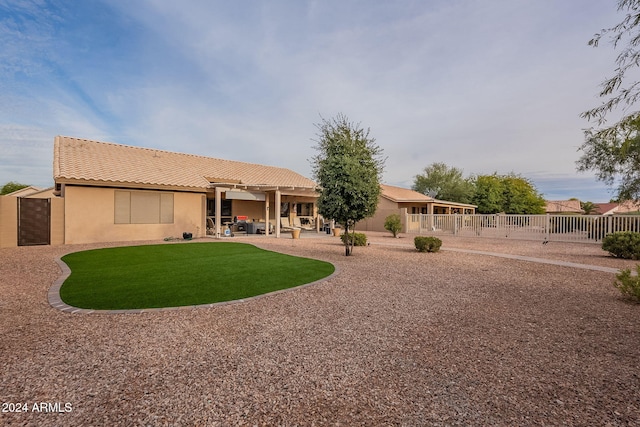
277	207
218	209
266	214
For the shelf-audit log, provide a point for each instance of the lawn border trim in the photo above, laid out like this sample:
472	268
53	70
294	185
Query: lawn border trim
55	301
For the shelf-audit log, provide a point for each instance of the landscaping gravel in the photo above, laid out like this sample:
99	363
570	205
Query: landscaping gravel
396	337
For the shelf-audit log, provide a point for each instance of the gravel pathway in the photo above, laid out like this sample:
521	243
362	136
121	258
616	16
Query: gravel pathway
396	338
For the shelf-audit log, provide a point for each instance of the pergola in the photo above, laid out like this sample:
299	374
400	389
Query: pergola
253	192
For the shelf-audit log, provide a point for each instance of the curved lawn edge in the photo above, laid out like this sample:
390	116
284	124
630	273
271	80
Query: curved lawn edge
55	301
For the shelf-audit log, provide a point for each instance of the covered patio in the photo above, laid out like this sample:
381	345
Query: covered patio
268	209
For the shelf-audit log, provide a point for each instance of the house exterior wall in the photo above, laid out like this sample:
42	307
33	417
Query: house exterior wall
253	210
376	222
57	221
90	217
385	208
8	221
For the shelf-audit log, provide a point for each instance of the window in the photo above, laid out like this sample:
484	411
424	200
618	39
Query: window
284	209
143	207
225	210
304	209
225	206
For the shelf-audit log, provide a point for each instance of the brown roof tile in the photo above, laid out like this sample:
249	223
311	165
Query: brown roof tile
399	194
606	208
81	160
564	206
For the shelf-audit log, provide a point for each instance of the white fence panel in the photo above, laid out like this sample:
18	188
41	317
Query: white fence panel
559	228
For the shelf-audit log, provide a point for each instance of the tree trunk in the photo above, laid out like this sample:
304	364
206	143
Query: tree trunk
347	248
353	237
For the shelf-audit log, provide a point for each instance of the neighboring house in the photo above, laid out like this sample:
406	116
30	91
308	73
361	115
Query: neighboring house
563	207
115	192
398	200
606	208
24	192
617	208
629	207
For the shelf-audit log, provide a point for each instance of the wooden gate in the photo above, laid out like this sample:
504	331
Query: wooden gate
34	222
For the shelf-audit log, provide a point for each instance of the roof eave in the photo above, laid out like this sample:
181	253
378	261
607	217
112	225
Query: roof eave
124	184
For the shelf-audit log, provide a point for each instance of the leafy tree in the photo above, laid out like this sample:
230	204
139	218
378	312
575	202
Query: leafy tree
613	151
489	194
588	207
10	187
510	194
348	169
444	183
614	154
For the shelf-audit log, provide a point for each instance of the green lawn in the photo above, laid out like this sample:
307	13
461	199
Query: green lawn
173	275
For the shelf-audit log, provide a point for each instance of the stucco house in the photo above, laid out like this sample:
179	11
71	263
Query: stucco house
116	192
626	207
397	200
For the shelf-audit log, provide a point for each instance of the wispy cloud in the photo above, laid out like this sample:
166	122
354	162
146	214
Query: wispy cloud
485	86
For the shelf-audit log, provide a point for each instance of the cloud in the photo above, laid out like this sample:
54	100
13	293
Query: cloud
485	86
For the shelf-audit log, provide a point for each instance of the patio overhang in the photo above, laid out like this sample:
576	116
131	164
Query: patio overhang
237	190
285	190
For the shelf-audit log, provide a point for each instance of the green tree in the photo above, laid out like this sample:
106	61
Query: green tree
588	207
348	168
613	151
511	194
10	187
489	194
444	183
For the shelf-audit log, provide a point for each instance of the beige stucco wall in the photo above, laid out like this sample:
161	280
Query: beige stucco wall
252	209
89	217
57	221
8	221
376	223
385	208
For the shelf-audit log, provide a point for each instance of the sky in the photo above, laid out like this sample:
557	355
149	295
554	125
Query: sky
485	86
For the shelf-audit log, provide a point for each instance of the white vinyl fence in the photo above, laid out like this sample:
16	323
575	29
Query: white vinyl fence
559	228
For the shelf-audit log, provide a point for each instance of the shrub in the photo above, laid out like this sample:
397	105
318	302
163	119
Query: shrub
427	244
359	239
623	244
628	285
393	223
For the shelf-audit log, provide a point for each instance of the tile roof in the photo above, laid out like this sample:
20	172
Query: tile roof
564	206
606	208
84	161
405	195
399	194
628	206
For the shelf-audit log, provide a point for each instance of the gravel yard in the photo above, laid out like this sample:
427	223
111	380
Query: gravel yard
397	337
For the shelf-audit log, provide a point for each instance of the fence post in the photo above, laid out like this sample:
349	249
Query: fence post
547	225
404	213
455	224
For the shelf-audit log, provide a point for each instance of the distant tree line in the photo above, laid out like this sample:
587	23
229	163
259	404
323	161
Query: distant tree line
511	193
